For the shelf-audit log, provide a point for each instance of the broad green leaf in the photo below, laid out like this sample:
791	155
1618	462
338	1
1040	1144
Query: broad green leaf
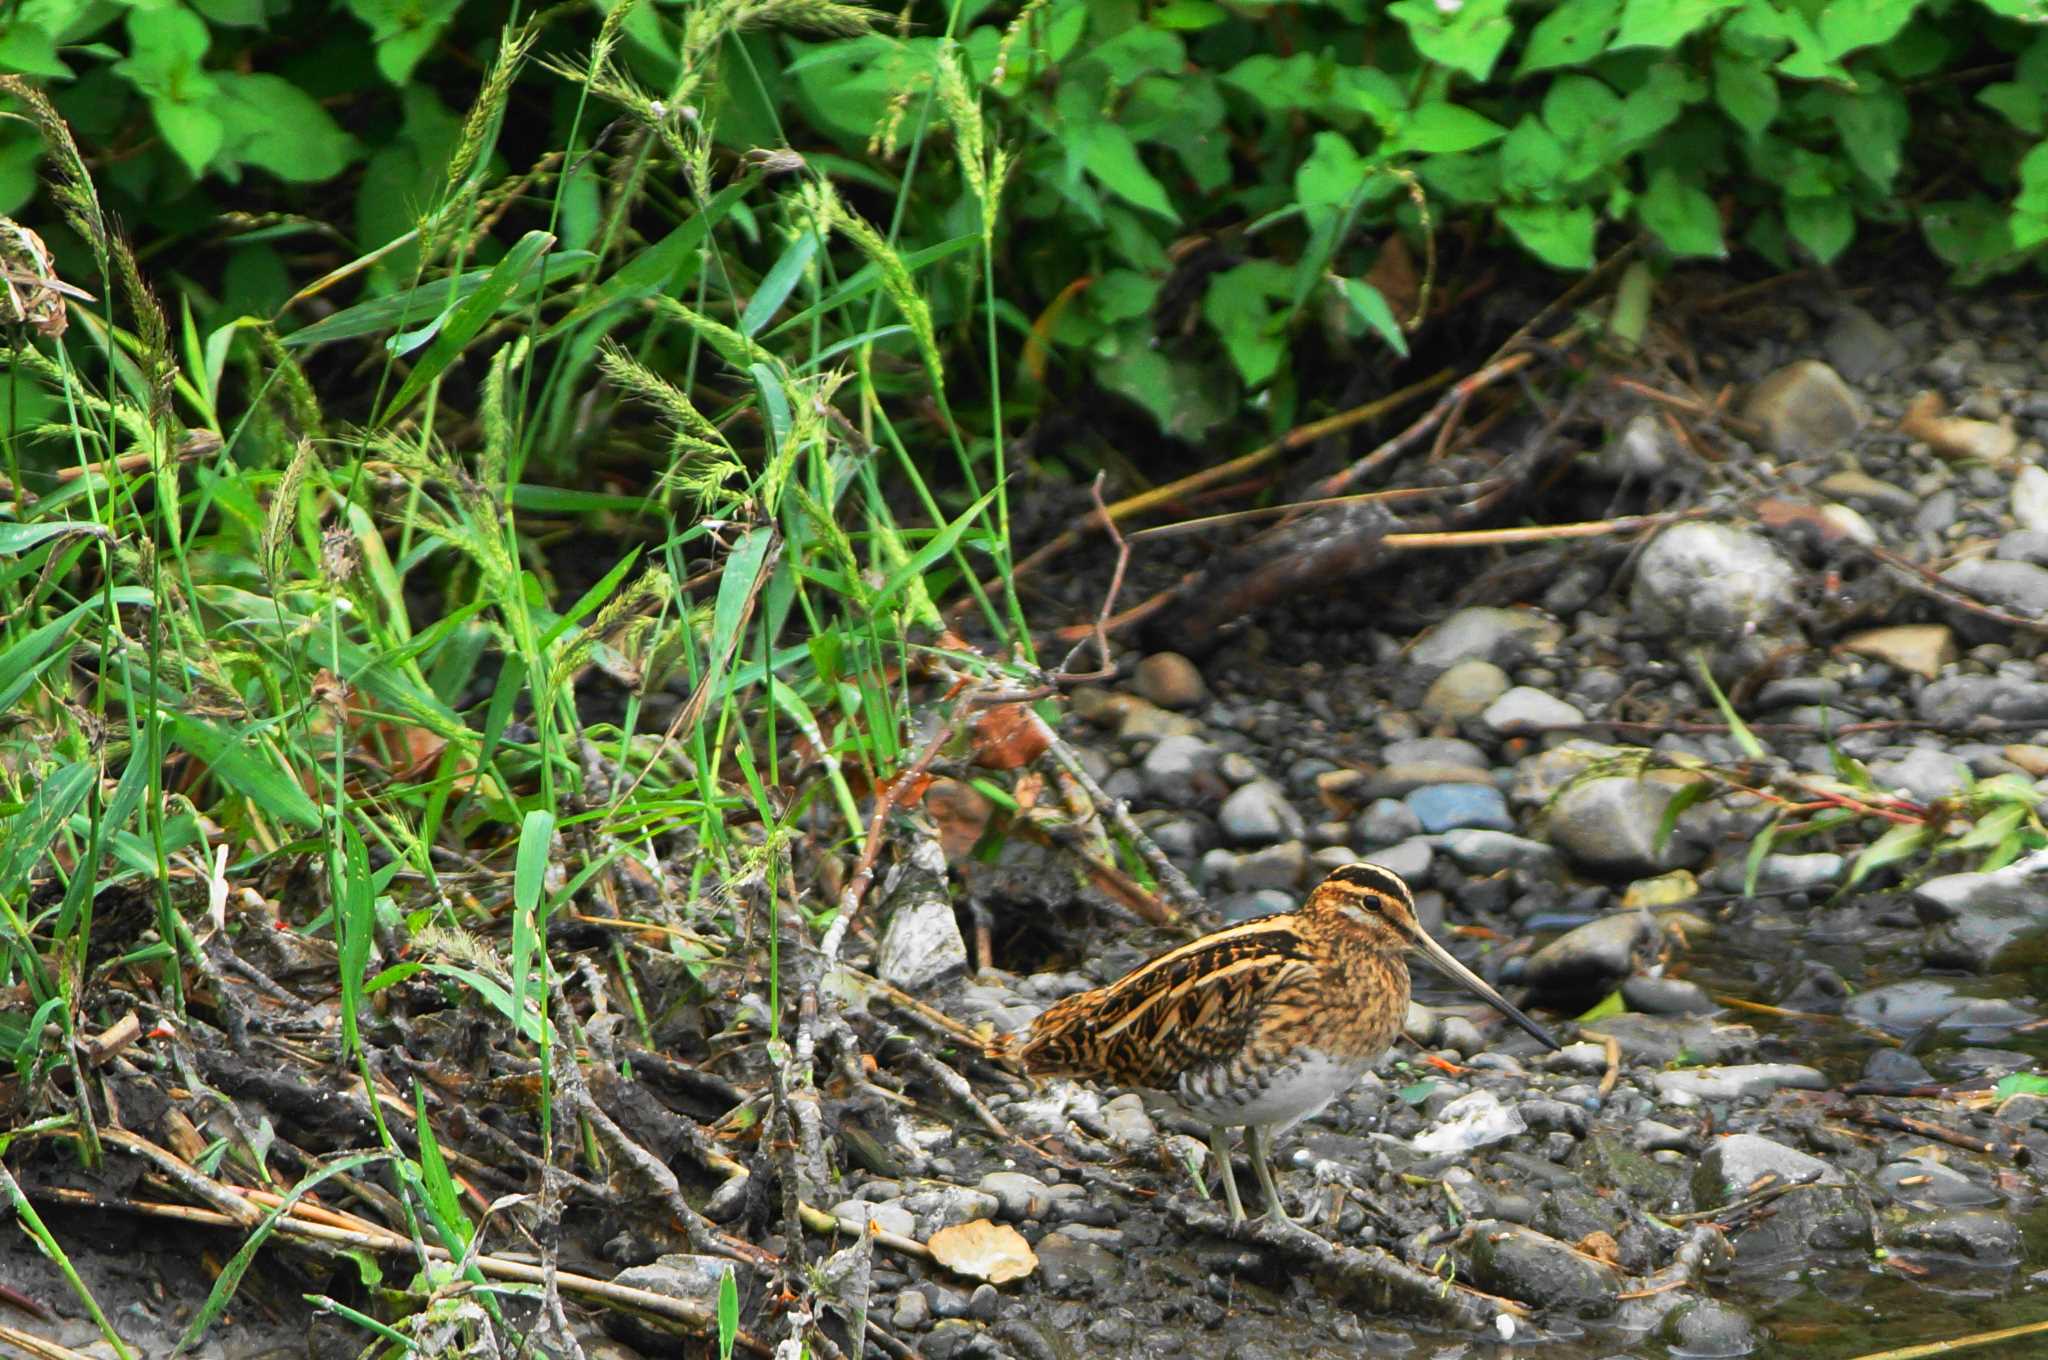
1332	172
1532	159
193	131
29	50
1559	236
404	30
1664	23
1240	304
1824	226
470	318
273	125
1873	127
1109	156
1746	92
1441	126
16	537
1847	25
728	1313
1570	35
2020	1084
1467	37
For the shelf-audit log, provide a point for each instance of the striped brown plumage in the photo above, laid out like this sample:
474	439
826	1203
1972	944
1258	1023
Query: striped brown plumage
1260	1024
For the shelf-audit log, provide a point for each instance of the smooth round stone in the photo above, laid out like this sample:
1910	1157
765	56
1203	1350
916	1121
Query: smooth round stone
1478	851
1975	1235
1181	771
1931	1185
1258	813
1525	709
1712	581
1922	774
1249	906
1170	680
1386	821
1281	866
1448	807
1610	826
1806	410
1486	634
1707	1329
1465	690
1666	996
1411	859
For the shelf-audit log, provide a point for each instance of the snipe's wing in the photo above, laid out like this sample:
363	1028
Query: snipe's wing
1193	1007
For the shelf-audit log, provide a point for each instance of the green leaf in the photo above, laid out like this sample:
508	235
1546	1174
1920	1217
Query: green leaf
191	131
1532	160
242	766
728	1313
1738	730
1440	126
429	300
1607	1006
1901	842
1467	37
1686	797
1109	156
1331	174
274	125
1759	849
778	283
443	1199
1559	236
937	546
1570	35
1746	92
1824	226
2018	102
1415	1092
1849	24
165	46
1240	305
1372	309
34	831
404	30
1873	125
470	317
2020	1084
656	268
1664	23
28	49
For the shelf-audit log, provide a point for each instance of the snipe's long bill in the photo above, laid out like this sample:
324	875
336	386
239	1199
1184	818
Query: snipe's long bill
1260	1025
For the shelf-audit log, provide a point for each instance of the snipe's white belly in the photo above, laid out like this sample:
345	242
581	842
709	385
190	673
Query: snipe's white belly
1277	1095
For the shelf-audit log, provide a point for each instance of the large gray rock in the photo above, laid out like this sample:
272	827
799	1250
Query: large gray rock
1907	1007
1520	1263
1594	957
1259	814
1689	1084
1610	826
1713	582
1805	410
921	945
1823	1212
1181	772
1987	699
1988	922
1485	634
2017	587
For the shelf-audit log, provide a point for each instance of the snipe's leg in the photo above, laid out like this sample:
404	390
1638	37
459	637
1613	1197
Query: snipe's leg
1261	1140
1219	1144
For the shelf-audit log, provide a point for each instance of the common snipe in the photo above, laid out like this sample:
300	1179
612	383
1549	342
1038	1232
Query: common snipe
1262	1024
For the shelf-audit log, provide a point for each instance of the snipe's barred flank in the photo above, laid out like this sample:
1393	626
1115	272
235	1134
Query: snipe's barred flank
1259	1025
